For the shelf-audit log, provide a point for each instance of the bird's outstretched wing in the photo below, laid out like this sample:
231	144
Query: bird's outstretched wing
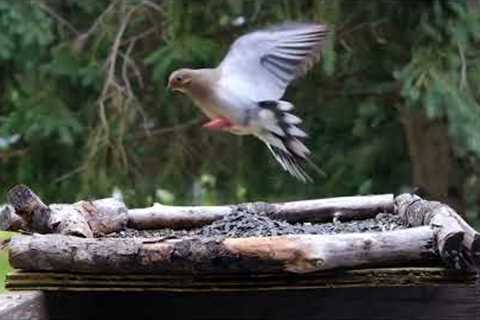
263	63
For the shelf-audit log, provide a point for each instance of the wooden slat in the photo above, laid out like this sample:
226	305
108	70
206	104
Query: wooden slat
392	277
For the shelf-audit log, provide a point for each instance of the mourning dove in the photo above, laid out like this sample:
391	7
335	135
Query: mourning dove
242	95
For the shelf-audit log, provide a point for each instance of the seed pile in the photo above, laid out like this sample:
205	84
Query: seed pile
244	223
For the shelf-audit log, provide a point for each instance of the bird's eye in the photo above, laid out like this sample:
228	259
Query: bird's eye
178	78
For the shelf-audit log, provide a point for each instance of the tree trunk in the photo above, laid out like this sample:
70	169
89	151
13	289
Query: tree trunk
433	166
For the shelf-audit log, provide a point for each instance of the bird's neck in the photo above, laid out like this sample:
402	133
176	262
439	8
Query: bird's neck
204	83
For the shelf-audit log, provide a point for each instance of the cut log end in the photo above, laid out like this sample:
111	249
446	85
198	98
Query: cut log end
83	219
23	199
10	221
457	242
451	252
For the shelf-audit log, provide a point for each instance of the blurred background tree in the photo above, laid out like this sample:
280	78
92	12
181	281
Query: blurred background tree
393	105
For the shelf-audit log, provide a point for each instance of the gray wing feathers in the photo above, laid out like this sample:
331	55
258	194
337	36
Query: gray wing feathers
268	60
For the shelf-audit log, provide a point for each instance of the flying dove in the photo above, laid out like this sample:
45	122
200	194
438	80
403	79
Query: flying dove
242	95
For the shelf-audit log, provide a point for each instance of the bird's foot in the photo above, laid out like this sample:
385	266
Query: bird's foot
219	123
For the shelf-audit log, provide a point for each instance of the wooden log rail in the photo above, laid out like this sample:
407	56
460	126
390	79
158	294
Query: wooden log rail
319	210
110	215
437	231
298	254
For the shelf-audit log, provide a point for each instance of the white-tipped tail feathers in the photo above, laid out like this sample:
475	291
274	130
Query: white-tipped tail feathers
283	137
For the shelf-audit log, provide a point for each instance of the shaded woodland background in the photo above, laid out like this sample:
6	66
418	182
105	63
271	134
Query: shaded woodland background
393	105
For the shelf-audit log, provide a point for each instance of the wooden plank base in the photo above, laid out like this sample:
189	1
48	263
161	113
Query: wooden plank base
403	293
387	277
398	303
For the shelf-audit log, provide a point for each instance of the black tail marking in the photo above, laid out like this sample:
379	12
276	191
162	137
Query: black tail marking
293	157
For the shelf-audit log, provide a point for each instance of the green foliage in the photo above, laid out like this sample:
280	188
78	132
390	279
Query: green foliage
83	84
442	76
24	27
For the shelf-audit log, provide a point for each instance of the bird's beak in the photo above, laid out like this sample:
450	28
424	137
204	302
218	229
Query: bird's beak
172	86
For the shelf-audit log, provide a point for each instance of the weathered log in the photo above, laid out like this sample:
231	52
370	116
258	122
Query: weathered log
67	219
175	217
319	210
298	254
30	208
83	219
471	240
9	220
342	208
110	215
104	215
458	243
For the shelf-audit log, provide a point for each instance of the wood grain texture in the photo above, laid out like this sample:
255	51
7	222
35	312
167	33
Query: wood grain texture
379	277
318	210
299	254
175	217
9	220
457	242
342	208
405	293
110	215
83	219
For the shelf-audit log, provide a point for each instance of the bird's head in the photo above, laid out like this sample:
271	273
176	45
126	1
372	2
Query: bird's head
180	80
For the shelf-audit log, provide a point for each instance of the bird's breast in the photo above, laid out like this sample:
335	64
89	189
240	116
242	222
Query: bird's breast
233	105
209	107
221	101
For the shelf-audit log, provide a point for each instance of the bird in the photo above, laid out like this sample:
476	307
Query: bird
243	94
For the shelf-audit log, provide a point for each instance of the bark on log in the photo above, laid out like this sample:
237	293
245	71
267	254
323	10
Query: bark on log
110	215
319	210
458	243
299	254
30	208
9	220
67	219
83	219
175	217
104	215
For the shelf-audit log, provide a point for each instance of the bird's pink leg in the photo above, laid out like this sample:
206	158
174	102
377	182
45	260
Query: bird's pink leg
218	123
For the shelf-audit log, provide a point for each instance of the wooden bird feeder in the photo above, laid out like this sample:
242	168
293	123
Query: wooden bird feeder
99	259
